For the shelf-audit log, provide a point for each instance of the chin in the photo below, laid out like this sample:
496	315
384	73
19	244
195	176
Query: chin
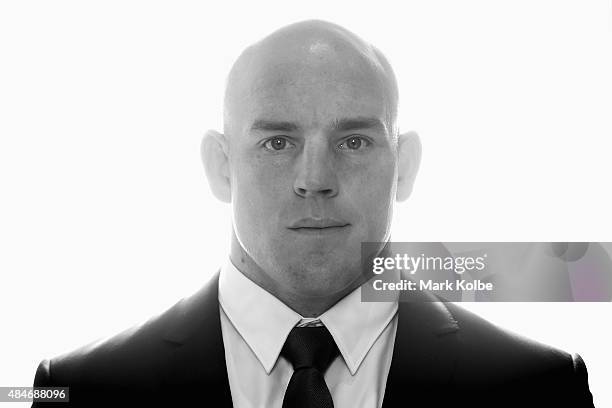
322	278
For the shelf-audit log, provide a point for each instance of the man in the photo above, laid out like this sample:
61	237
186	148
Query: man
311	161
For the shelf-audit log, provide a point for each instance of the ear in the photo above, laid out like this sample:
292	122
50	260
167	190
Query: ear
214	151
409	159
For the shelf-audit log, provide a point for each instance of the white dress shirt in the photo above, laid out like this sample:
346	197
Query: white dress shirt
255	325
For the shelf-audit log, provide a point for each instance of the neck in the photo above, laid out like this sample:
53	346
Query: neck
306	306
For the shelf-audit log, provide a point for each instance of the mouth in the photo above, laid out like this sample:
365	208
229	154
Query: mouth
319	226
318	231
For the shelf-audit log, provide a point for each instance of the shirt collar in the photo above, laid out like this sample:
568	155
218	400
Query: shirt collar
264	322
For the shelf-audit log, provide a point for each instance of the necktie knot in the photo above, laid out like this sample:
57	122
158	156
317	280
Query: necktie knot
307	347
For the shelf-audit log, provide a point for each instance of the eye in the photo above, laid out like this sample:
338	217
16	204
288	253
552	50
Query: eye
354	143
277	143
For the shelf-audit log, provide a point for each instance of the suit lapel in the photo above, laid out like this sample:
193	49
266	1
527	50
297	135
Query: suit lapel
424	353
421	368
196	367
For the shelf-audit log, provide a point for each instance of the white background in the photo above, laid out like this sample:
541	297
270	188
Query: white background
105	214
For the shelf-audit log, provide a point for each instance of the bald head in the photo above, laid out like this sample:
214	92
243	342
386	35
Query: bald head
310	160
304	58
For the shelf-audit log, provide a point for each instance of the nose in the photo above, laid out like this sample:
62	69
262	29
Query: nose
316	173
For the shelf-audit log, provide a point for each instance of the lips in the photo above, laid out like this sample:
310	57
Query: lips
318	225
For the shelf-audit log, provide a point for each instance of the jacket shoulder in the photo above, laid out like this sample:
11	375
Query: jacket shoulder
118	358
494	357
136	356
488	339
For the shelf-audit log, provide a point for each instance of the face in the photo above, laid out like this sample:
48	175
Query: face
313	171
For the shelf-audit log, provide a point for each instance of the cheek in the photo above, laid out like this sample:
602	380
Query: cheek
372	184
265	177
257	187
373	192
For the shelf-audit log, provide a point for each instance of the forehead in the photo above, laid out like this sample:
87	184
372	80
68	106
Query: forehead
312	95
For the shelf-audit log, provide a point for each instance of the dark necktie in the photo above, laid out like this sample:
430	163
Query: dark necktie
310	350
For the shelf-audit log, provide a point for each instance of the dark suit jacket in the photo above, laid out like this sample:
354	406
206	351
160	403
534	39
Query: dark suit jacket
443	356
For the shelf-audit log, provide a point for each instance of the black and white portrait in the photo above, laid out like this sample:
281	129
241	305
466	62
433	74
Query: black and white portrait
190	192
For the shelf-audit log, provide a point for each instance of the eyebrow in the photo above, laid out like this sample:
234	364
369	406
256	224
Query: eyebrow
348	124
273	126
